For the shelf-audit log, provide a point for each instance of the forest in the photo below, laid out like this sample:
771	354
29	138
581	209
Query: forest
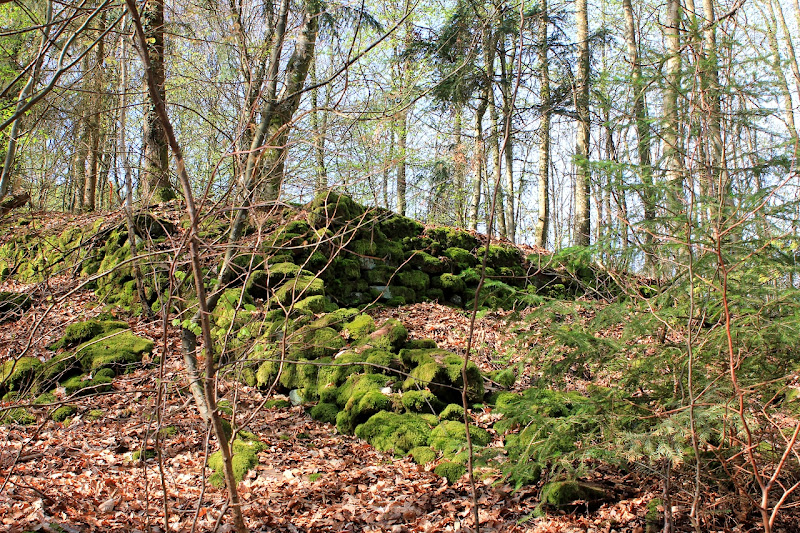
310	265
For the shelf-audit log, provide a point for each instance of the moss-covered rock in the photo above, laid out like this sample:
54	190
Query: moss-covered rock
391	336
422	455
452	238
451	430
561	493
426	262
302	286
450	471
461	258
393	432
313	304
116	350
329	209
313	343
100	381
325	412
64	412
360	327
452	412
415	279
420	401
398	227
245	458
415	344
452	285
81	332
18	374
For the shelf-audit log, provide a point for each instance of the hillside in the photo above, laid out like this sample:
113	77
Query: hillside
339	358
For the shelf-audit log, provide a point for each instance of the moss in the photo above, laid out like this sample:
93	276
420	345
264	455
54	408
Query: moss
501	256
149	453
393	432
277	404
13	304
398	227
81	332
17	375
452	285
561	493
245	457
64	412
325	412
426	262
380	275
452	412
369	404
430	375
454	364
505	377
17	415
451	430
117	351
96	414
59	367
315	343
415	279
335	319
45	398
100	382
416	344
312	304
347	269
461	258
301	287
331	209
470	277
390	336
341	367
360	327
380	361
420	401
422	455
450	471
357	386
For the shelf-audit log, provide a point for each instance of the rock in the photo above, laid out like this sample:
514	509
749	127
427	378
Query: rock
296	397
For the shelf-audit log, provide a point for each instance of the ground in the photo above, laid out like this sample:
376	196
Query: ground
81	475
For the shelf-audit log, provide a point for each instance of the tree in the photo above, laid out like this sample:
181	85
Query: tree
543	213
583	177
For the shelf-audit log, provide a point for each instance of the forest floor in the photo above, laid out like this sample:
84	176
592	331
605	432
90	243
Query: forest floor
82	476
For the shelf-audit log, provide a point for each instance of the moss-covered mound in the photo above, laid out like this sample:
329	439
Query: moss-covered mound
245	457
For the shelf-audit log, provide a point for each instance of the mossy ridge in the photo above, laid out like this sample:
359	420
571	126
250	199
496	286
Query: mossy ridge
390	336
562	493
117	351
81	332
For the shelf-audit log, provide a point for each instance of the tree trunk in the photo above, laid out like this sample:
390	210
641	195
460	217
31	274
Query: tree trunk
155	178
507	76
459	171
543	215
671	134
645	169
477	165
582	230
319	127
11	149
93	123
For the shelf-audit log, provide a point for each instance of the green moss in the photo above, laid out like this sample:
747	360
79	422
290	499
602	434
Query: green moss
398	227
380	275
415	279
245	457
470	277
454	364
422	455
64	412
315	343
561	493
380	361
461	258
390	336
312	304
357	386
45	398
100	382
116	351
449	470
505	377
393	432
149	453
416	344
420	401
301	287
501	256
166	431
336	319
325	412
17	375
17	415
452	412
452	285
451	430
81	332
342	367
430	375
331	209
426	262
360	327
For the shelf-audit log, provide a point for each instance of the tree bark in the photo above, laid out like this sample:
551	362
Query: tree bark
157	186
543	215
93	122
671	134
582	236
